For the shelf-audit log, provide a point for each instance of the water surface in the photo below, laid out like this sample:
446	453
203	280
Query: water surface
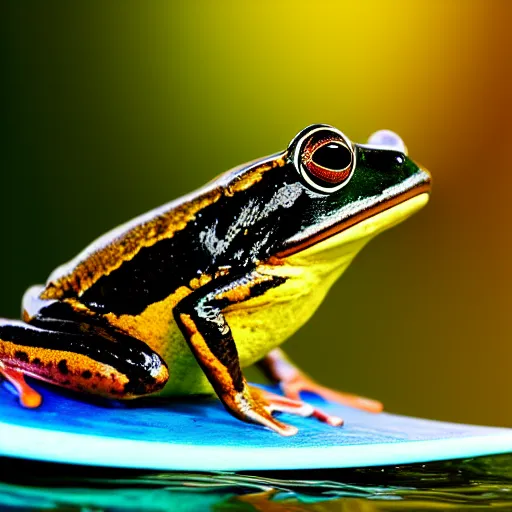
469	484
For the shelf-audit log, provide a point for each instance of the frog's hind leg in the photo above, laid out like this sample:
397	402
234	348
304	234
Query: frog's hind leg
80	357
292	381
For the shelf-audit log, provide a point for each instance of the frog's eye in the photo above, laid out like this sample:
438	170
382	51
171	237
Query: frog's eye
325	158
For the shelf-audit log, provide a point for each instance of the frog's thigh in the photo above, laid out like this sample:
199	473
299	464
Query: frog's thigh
78	358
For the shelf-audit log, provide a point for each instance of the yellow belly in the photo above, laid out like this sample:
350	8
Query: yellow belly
263	323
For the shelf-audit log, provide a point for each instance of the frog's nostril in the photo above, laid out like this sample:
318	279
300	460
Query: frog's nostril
387	140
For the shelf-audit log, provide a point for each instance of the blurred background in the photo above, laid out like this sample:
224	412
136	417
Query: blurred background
112	108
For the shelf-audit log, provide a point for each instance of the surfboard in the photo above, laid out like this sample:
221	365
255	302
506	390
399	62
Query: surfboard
197	434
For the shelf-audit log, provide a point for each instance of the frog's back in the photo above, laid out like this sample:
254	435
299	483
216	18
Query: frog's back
114	250
168	236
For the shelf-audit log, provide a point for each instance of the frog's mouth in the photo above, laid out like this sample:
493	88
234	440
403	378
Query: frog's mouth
373	215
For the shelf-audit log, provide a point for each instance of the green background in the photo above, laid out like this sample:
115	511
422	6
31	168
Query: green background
112	108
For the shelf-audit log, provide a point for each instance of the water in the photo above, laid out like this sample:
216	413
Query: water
470	484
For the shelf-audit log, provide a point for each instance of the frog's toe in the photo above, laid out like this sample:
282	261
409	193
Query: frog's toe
267	420
28	396
279	403
333	421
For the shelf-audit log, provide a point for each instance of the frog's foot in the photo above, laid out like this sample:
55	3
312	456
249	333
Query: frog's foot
260	404
279	369
293	386
28	396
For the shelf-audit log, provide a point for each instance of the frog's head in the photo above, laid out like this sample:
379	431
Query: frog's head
351	192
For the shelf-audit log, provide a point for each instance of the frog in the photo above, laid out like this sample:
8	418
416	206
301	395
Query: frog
180	300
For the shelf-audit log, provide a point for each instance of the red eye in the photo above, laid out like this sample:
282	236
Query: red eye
328	159
324	157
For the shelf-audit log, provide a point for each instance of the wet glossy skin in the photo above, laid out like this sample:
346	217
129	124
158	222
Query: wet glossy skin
180	299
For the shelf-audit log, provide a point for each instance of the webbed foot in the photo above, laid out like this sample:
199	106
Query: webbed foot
293	382
256	405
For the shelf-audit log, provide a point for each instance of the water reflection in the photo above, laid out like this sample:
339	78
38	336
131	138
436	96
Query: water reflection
473	484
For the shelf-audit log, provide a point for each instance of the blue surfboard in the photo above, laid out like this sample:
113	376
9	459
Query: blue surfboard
198	434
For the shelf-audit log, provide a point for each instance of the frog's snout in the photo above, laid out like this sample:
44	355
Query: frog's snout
388	140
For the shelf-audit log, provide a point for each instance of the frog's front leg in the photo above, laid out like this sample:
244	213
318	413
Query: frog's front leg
292	381
77	356
204	326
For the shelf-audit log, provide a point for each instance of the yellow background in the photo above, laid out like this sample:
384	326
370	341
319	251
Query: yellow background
112	108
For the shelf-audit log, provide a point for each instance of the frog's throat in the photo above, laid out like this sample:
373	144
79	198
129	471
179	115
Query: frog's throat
365	223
